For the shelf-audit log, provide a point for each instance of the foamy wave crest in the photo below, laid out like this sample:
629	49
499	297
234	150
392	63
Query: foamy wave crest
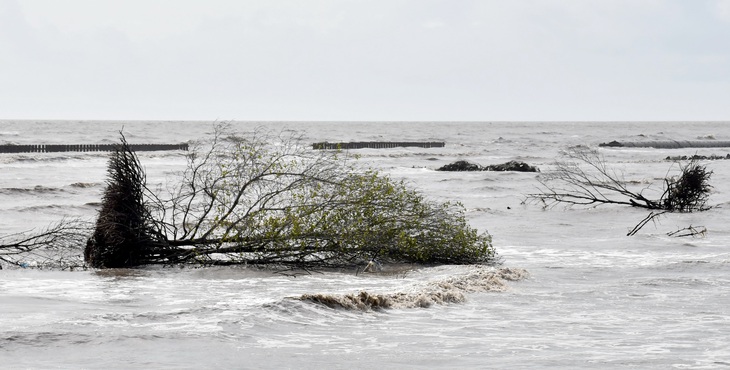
52	157
84	185
63	208
449	290
38	189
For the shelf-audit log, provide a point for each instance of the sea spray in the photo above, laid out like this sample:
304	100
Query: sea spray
450	290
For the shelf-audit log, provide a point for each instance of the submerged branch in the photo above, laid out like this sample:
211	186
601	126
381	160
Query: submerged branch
689	231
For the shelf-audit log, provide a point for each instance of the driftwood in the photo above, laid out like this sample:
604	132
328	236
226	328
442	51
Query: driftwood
689	231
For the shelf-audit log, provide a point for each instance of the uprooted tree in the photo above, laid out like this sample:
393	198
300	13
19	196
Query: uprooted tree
584	179
268	200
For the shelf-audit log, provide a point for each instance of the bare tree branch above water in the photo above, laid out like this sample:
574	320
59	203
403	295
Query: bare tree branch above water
583	178
57	246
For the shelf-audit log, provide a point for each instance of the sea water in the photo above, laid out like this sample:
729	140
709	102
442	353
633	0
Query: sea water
594	298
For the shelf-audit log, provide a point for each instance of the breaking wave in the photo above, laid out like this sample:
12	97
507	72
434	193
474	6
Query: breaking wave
84	185
58	207
449	290
9	133
38	189
51	157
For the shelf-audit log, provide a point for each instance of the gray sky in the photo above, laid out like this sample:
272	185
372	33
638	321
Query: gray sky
365	59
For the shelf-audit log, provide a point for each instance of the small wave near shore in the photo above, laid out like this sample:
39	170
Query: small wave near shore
448	290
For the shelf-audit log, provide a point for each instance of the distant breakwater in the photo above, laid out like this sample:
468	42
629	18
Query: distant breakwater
668	144
379	144
53	148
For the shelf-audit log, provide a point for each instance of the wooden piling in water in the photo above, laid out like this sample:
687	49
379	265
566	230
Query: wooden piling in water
668	144
53	148
378	144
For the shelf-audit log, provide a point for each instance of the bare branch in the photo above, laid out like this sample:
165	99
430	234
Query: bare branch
584	179
57	246
689	231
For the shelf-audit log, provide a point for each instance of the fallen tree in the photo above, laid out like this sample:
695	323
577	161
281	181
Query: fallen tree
268	200
584	179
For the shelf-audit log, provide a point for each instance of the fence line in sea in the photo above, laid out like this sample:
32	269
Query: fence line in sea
52	148
668	144
379	144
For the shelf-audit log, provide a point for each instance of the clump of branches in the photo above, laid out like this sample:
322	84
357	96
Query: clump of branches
57	246
125	233
270	200
584	179
688	192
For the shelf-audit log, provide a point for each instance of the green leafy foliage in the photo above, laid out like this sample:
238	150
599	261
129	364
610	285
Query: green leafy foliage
267	199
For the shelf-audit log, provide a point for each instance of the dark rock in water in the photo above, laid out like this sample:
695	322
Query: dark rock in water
461	166
612	144
509	166
512	166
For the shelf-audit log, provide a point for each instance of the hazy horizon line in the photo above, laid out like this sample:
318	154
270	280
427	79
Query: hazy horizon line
354	121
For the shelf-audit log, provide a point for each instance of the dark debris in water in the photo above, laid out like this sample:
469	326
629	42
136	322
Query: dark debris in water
512	166
462	165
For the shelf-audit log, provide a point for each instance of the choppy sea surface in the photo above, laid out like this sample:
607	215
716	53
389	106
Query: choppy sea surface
594	298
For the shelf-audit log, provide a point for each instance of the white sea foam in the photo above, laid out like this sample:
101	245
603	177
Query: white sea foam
449	290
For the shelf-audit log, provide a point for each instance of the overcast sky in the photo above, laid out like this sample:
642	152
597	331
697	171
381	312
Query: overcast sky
477	60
